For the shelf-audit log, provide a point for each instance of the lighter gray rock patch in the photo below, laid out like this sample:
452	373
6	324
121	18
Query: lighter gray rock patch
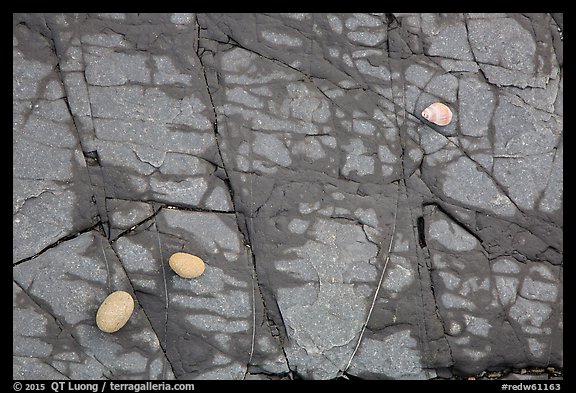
451	236
181	18
469	185
507	288
277	38
272	148
396	356
530	313
298	226
539	290
505	265
477	326
451	301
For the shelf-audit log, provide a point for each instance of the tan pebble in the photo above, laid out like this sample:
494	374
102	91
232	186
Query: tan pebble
114	311
438	113
186	265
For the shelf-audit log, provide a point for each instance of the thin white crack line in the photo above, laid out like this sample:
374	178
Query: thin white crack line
253	316
165	296
251	229
379	283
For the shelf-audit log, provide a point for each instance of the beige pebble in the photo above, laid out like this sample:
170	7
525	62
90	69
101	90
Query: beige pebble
186	265
114	311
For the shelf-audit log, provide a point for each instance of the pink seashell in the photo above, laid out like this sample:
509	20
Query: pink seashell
438	113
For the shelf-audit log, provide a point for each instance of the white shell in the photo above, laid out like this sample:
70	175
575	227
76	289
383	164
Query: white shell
438	113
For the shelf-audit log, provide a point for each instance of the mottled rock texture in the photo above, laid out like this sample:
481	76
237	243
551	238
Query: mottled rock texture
342	234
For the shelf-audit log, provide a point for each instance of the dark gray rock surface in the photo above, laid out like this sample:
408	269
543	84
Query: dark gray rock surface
342	233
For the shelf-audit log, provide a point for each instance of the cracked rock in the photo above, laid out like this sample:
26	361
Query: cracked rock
343	235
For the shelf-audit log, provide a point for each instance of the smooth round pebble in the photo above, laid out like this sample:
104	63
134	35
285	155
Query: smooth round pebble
186	265
114	311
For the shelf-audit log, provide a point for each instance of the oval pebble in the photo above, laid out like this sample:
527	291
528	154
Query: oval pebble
186	265
114	311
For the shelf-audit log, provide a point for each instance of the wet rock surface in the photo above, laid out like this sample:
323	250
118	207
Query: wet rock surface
342	234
